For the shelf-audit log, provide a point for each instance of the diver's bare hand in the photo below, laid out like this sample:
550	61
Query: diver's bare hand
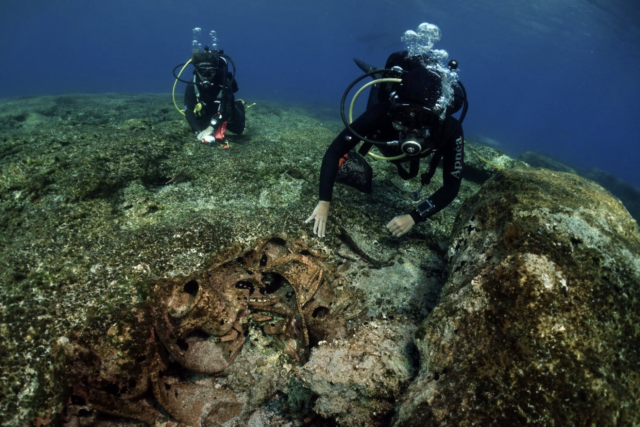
208	131
400	225
320	215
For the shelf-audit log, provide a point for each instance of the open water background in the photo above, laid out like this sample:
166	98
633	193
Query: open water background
558	77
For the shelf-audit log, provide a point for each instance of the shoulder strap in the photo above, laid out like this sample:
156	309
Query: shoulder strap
364	149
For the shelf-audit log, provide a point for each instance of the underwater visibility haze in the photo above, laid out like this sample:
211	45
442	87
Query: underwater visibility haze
553	77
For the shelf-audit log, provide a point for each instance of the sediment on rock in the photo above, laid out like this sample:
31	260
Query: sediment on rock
538	321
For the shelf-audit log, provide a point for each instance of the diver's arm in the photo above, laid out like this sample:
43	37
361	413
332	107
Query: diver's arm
425	178
453	164
190	103
400	225
320	215
340	146
331	163
328	171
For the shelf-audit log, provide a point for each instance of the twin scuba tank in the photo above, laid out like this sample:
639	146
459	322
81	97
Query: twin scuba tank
208	65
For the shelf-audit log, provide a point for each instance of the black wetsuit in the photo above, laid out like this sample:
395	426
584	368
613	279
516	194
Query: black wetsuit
375	123
217	98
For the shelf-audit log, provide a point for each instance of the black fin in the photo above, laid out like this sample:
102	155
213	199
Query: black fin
363	65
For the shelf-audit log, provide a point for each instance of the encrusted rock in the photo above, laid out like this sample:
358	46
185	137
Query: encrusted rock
538	160
538	321
194	327
357	380
482	162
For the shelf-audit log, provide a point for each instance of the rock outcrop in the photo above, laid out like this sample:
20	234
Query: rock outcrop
112	194
482	162
627	193
538	160
358	380
105	198
539	320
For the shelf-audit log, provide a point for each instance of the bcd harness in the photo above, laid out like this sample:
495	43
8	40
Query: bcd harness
414	164
200	105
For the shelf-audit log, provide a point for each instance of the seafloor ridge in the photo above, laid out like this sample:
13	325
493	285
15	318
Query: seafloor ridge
146	278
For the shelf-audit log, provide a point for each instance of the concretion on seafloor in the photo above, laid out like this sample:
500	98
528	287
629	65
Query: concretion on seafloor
538	321
194	327
113	192
357	380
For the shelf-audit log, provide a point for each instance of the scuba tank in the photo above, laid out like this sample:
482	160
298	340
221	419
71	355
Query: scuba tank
393	76
207	55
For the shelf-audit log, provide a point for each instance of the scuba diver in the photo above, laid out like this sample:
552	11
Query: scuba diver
408	117
209	104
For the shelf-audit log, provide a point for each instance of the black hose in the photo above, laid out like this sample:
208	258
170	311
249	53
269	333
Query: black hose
344	97
465	107
178	78
232	63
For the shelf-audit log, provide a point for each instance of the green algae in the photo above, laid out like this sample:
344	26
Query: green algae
102	195
537	323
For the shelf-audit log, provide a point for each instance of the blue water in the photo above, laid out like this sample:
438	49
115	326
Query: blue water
552	76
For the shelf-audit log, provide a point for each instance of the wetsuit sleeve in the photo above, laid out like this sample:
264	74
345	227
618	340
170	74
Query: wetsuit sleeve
425	178
190	103
453	163
340	146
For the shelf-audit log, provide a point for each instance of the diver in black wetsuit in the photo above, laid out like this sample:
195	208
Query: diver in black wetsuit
411	116
210	107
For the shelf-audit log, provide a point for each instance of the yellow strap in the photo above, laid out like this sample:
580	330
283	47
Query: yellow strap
483	159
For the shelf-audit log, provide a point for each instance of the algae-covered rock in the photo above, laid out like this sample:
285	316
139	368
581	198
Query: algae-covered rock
103	195
627	193
538	160
482	162
112	192
358	380
538	321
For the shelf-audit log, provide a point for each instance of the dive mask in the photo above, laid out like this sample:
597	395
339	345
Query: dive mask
206	72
